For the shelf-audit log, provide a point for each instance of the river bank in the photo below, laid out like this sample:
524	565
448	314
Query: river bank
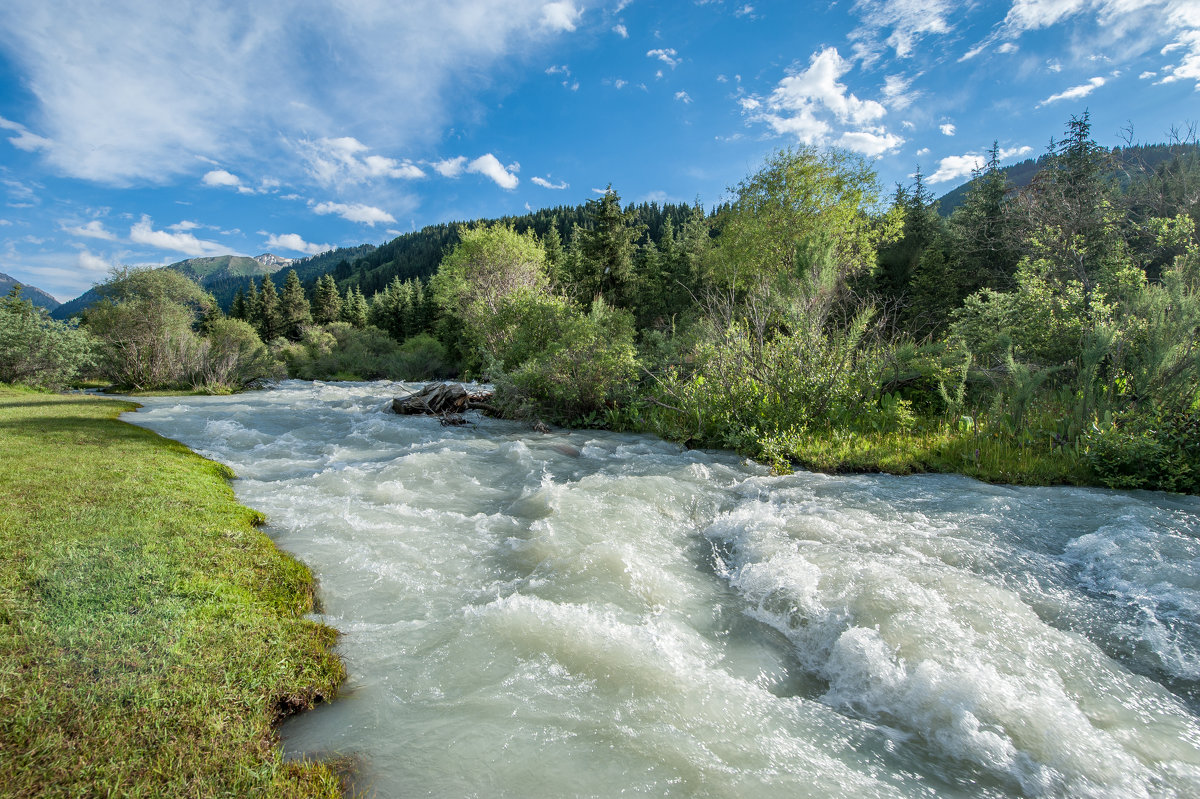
151	636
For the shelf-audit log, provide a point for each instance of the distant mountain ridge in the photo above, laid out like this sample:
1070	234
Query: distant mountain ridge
28	292
1020	175
218	274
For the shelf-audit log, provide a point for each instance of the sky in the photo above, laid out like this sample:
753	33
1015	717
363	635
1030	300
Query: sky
143	132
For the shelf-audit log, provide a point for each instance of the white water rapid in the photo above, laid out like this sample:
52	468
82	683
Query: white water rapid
590	614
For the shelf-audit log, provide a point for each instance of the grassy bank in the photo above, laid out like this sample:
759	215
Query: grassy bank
150	635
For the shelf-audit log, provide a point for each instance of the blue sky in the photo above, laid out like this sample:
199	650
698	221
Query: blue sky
138	131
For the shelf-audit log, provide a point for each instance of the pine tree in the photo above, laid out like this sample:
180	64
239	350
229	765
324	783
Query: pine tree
237	310
253	305
270	324
327	302
294	313
609	248
354	309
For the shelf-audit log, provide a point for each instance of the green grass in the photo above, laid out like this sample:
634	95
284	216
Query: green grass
992	457
150	634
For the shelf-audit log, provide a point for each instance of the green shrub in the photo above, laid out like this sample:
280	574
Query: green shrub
37	350
232	356
1160	451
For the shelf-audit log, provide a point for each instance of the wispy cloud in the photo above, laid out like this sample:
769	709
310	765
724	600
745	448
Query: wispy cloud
92	230
546	184
24	140
560	16
123	89
898	25
683	97
666	55
355	212
143	232
948	129
343	161
1075	92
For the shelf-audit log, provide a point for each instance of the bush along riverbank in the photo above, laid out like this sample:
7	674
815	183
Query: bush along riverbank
150	635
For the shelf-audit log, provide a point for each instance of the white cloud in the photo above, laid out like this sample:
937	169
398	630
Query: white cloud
683	97
24	140
355	212
896	94
92	230
92	263
558	69
293	242
489	166
451	167
1027	15
923	151
340	162
1075	92
1008	47
955	166
143	232
869	143
546	184
1012	152
183	226
819	84
668	56
800	103
130	91
620	83
621	31
948	129
745	11
904	22
219	177
1147	75
560	16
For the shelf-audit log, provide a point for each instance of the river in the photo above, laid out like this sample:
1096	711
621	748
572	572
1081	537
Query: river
584	613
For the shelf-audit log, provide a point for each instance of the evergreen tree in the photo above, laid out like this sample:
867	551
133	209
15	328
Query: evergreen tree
980	237
253	305
327	302
294	312
238	309
354	309
269	322
608	248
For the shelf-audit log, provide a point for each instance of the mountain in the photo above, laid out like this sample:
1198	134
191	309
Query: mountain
221	275
1129	162
34	295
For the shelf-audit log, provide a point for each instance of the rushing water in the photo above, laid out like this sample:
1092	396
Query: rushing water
590	614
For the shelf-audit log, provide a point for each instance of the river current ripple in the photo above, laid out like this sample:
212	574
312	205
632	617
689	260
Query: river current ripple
592	614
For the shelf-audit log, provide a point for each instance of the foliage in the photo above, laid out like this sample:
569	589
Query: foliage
489	265
340	351
1160	450
566	366
37	350
231	356
145	325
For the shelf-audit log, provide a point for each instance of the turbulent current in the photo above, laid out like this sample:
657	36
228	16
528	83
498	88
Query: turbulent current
591	614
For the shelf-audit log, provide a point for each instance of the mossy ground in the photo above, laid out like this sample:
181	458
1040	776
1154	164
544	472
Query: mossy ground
150	634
